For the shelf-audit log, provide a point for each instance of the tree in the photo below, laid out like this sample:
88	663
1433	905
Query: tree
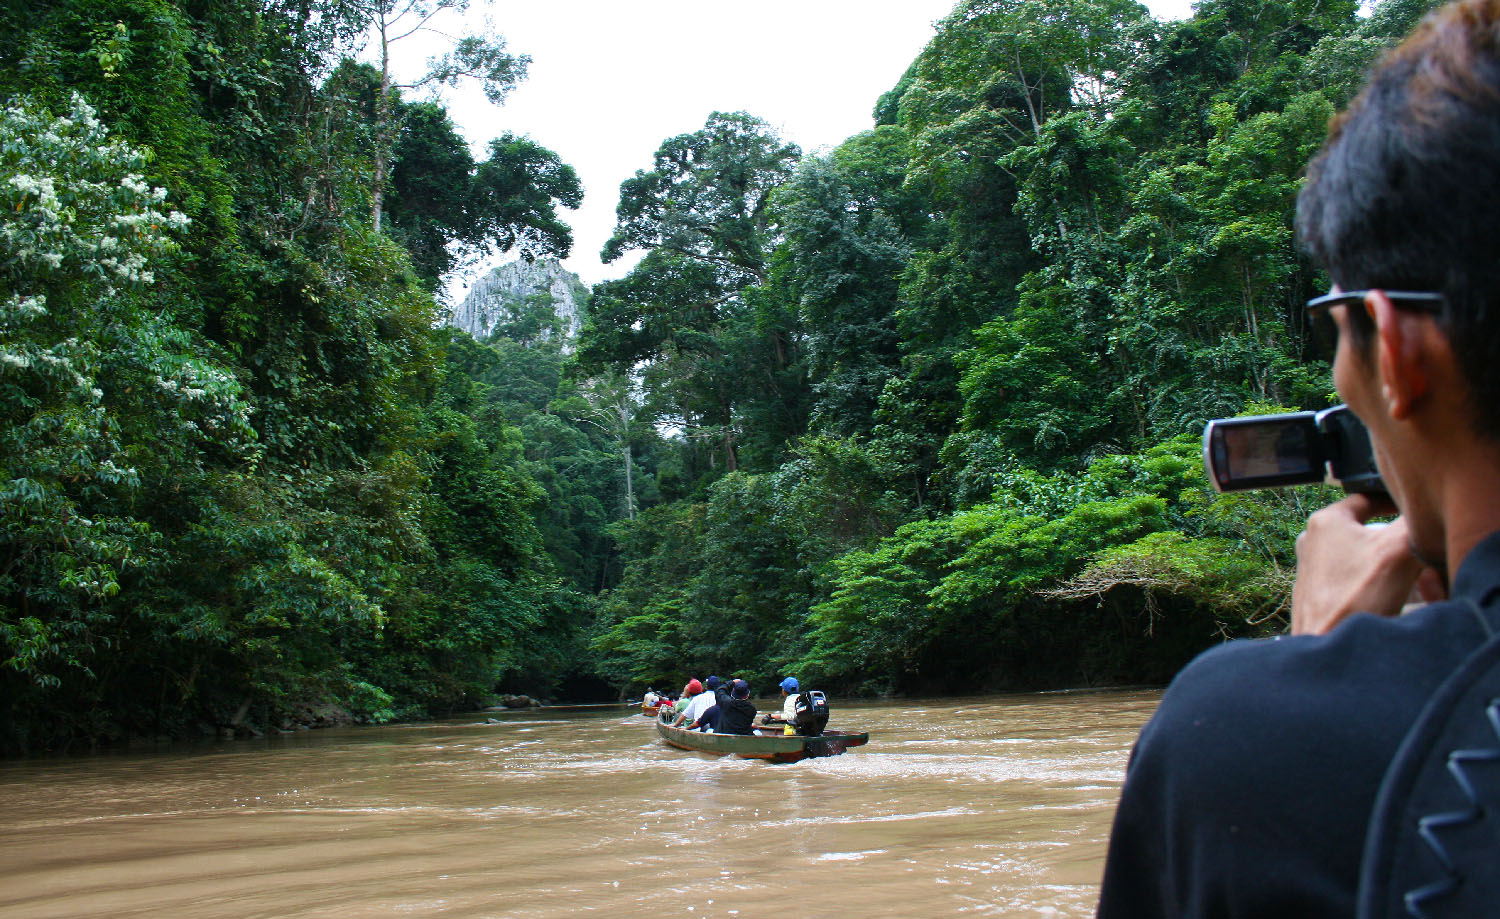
702	214
841	219
478	57
92	383
445	208
611	406
707	198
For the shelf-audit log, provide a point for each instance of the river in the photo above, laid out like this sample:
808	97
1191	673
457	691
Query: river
993	806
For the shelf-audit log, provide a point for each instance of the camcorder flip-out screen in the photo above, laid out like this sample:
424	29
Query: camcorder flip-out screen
1298	448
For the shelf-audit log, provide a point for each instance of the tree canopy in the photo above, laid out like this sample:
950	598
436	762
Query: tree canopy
918	413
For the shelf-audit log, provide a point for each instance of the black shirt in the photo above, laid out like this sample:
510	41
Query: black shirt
735	716
1249	792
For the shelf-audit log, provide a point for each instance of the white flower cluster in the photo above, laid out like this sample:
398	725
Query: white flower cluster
72	201
19	309
130	269
109	466
54	363
43	187
215	393
197	381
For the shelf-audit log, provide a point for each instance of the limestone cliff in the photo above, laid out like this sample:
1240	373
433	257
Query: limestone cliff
528	302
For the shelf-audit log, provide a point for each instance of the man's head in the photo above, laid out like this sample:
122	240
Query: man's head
789	685
1403	198
739	689
693	687
712	683
1405	193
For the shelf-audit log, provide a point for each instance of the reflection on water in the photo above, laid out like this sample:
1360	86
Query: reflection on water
990	806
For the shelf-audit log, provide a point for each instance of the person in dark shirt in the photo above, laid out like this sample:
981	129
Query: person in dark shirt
736	713
1254	787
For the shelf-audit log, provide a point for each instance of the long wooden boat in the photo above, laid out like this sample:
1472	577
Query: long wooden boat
776	747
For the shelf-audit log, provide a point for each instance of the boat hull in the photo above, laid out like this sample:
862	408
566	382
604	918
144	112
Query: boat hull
775	747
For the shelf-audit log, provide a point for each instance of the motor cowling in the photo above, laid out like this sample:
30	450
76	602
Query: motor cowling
812	713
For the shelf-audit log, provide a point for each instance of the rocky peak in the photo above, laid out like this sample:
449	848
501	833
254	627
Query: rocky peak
528	301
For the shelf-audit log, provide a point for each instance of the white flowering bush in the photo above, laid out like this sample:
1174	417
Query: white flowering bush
91	379
79	229
73	204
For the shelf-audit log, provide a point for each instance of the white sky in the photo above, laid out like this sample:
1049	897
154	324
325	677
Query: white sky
611	79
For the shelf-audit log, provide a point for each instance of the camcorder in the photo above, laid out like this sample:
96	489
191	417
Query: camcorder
1298	448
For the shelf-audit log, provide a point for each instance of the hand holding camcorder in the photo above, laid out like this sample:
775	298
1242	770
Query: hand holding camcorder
1297	448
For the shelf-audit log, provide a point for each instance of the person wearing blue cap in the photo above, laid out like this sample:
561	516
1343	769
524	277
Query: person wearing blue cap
789	689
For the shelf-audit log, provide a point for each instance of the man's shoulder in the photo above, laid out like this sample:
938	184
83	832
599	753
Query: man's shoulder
1361	649
1360	685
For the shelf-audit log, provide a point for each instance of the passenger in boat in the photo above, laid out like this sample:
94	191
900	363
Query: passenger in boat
789	689
705	716
693	702
689	689
788	717
713	718
737	713
1330	772
709	721
651	698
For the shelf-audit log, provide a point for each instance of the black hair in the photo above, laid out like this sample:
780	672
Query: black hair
1405	194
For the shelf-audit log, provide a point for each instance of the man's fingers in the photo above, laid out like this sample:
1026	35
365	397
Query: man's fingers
1346	565
1362	507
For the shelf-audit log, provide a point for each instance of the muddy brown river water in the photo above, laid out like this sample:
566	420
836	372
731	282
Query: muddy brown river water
994	806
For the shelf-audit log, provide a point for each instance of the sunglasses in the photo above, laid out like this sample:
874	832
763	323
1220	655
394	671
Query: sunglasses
1326	331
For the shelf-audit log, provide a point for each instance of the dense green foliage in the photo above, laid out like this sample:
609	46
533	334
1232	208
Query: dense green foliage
915	414
991	327
242	476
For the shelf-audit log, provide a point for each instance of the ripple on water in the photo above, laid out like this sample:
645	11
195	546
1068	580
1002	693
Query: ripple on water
845	819
848	856
971	768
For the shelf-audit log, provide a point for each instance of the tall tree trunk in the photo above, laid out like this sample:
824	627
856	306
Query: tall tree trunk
383	139
629	486
731	462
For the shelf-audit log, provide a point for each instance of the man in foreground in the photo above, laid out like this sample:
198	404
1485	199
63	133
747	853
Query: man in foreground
1251	790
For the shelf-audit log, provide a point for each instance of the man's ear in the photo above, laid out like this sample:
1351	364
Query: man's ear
1399	354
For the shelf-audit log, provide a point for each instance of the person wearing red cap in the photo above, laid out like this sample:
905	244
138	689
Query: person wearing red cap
699	702
685	698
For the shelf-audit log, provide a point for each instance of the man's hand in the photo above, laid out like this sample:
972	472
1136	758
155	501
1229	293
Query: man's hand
1345	567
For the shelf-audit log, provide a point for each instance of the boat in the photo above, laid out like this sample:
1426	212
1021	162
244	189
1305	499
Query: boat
650	710
777	747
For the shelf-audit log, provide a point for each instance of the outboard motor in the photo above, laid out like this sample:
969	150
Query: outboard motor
812	713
